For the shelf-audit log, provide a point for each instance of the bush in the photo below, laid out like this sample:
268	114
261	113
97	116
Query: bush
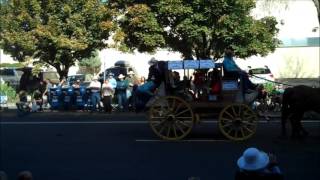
9	91
269	87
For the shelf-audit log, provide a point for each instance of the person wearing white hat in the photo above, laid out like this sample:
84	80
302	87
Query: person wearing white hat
257	165
121	91
95	87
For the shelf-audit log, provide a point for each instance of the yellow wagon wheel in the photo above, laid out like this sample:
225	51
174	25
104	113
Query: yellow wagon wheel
238	122
171	118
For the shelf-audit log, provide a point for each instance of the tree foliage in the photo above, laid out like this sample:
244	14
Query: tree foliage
198	29
57	32
91	64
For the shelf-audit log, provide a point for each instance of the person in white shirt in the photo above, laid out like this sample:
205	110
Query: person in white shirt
95	87
107	94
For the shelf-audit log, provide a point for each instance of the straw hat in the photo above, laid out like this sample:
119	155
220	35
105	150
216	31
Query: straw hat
253	159
121	76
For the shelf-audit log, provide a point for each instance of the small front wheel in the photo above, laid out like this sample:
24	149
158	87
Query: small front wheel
238	122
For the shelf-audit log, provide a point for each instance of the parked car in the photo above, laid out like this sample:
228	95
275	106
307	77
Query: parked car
261	75
11	76
30	82
120	67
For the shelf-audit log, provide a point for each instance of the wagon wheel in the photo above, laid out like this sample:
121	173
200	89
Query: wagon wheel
171	118
238	122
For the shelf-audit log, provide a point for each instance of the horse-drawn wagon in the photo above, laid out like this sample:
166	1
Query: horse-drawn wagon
174	112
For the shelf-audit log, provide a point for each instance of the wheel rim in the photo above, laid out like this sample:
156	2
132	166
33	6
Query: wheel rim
171	118
238	122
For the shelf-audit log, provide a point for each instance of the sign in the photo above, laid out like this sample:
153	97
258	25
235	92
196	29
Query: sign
191	64
229	85
175	65
206	64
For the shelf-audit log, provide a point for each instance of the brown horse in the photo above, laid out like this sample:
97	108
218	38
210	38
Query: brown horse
296	101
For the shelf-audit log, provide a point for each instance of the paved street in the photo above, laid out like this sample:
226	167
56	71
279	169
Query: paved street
80	146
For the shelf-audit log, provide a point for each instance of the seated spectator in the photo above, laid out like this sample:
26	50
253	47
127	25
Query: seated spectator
257	165
25	175
76	84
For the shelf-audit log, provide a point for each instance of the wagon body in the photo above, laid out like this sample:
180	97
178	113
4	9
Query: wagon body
179	107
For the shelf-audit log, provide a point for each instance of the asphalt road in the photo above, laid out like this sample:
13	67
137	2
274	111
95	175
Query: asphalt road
83	146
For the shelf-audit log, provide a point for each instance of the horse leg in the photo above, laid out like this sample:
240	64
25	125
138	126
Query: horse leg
296	124
301	128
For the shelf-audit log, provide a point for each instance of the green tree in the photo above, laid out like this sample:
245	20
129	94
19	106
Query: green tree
91	64
56	32
198	29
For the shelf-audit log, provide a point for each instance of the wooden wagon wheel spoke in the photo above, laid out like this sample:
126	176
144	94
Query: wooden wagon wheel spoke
183	117
226	125
162	128
174	130
179	127
229	115
173	105
186	110
177	109
169	130
248	123
248	129
242	132
226	119
185	125
234	111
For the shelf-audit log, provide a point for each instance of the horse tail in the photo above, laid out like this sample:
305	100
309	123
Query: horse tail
285	111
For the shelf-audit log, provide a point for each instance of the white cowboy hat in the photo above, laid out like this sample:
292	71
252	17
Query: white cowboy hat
253	159
111	74
130	72
152	61
121	76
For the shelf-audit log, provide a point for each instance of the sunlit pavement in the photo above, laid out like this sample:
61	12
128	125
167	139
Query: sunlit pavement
98	146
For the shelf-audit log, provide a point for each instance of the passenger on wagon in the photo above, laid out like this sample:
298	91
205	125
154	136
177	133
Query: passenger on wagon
232	69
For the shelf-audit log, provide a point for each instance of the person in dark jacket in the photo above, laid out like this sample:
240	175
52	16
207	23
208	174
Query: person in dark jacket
257	165
121	91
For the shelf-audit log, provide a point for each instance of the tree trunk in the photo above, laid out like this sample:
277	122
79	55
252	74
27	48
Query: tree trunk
63	73
317	4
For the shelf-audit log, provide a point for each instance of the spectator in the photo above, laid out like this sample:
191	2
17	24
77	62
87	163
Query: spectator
122	86
112	80
142	80
95	87
25	175
76	84
257	165
133	83
107	93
